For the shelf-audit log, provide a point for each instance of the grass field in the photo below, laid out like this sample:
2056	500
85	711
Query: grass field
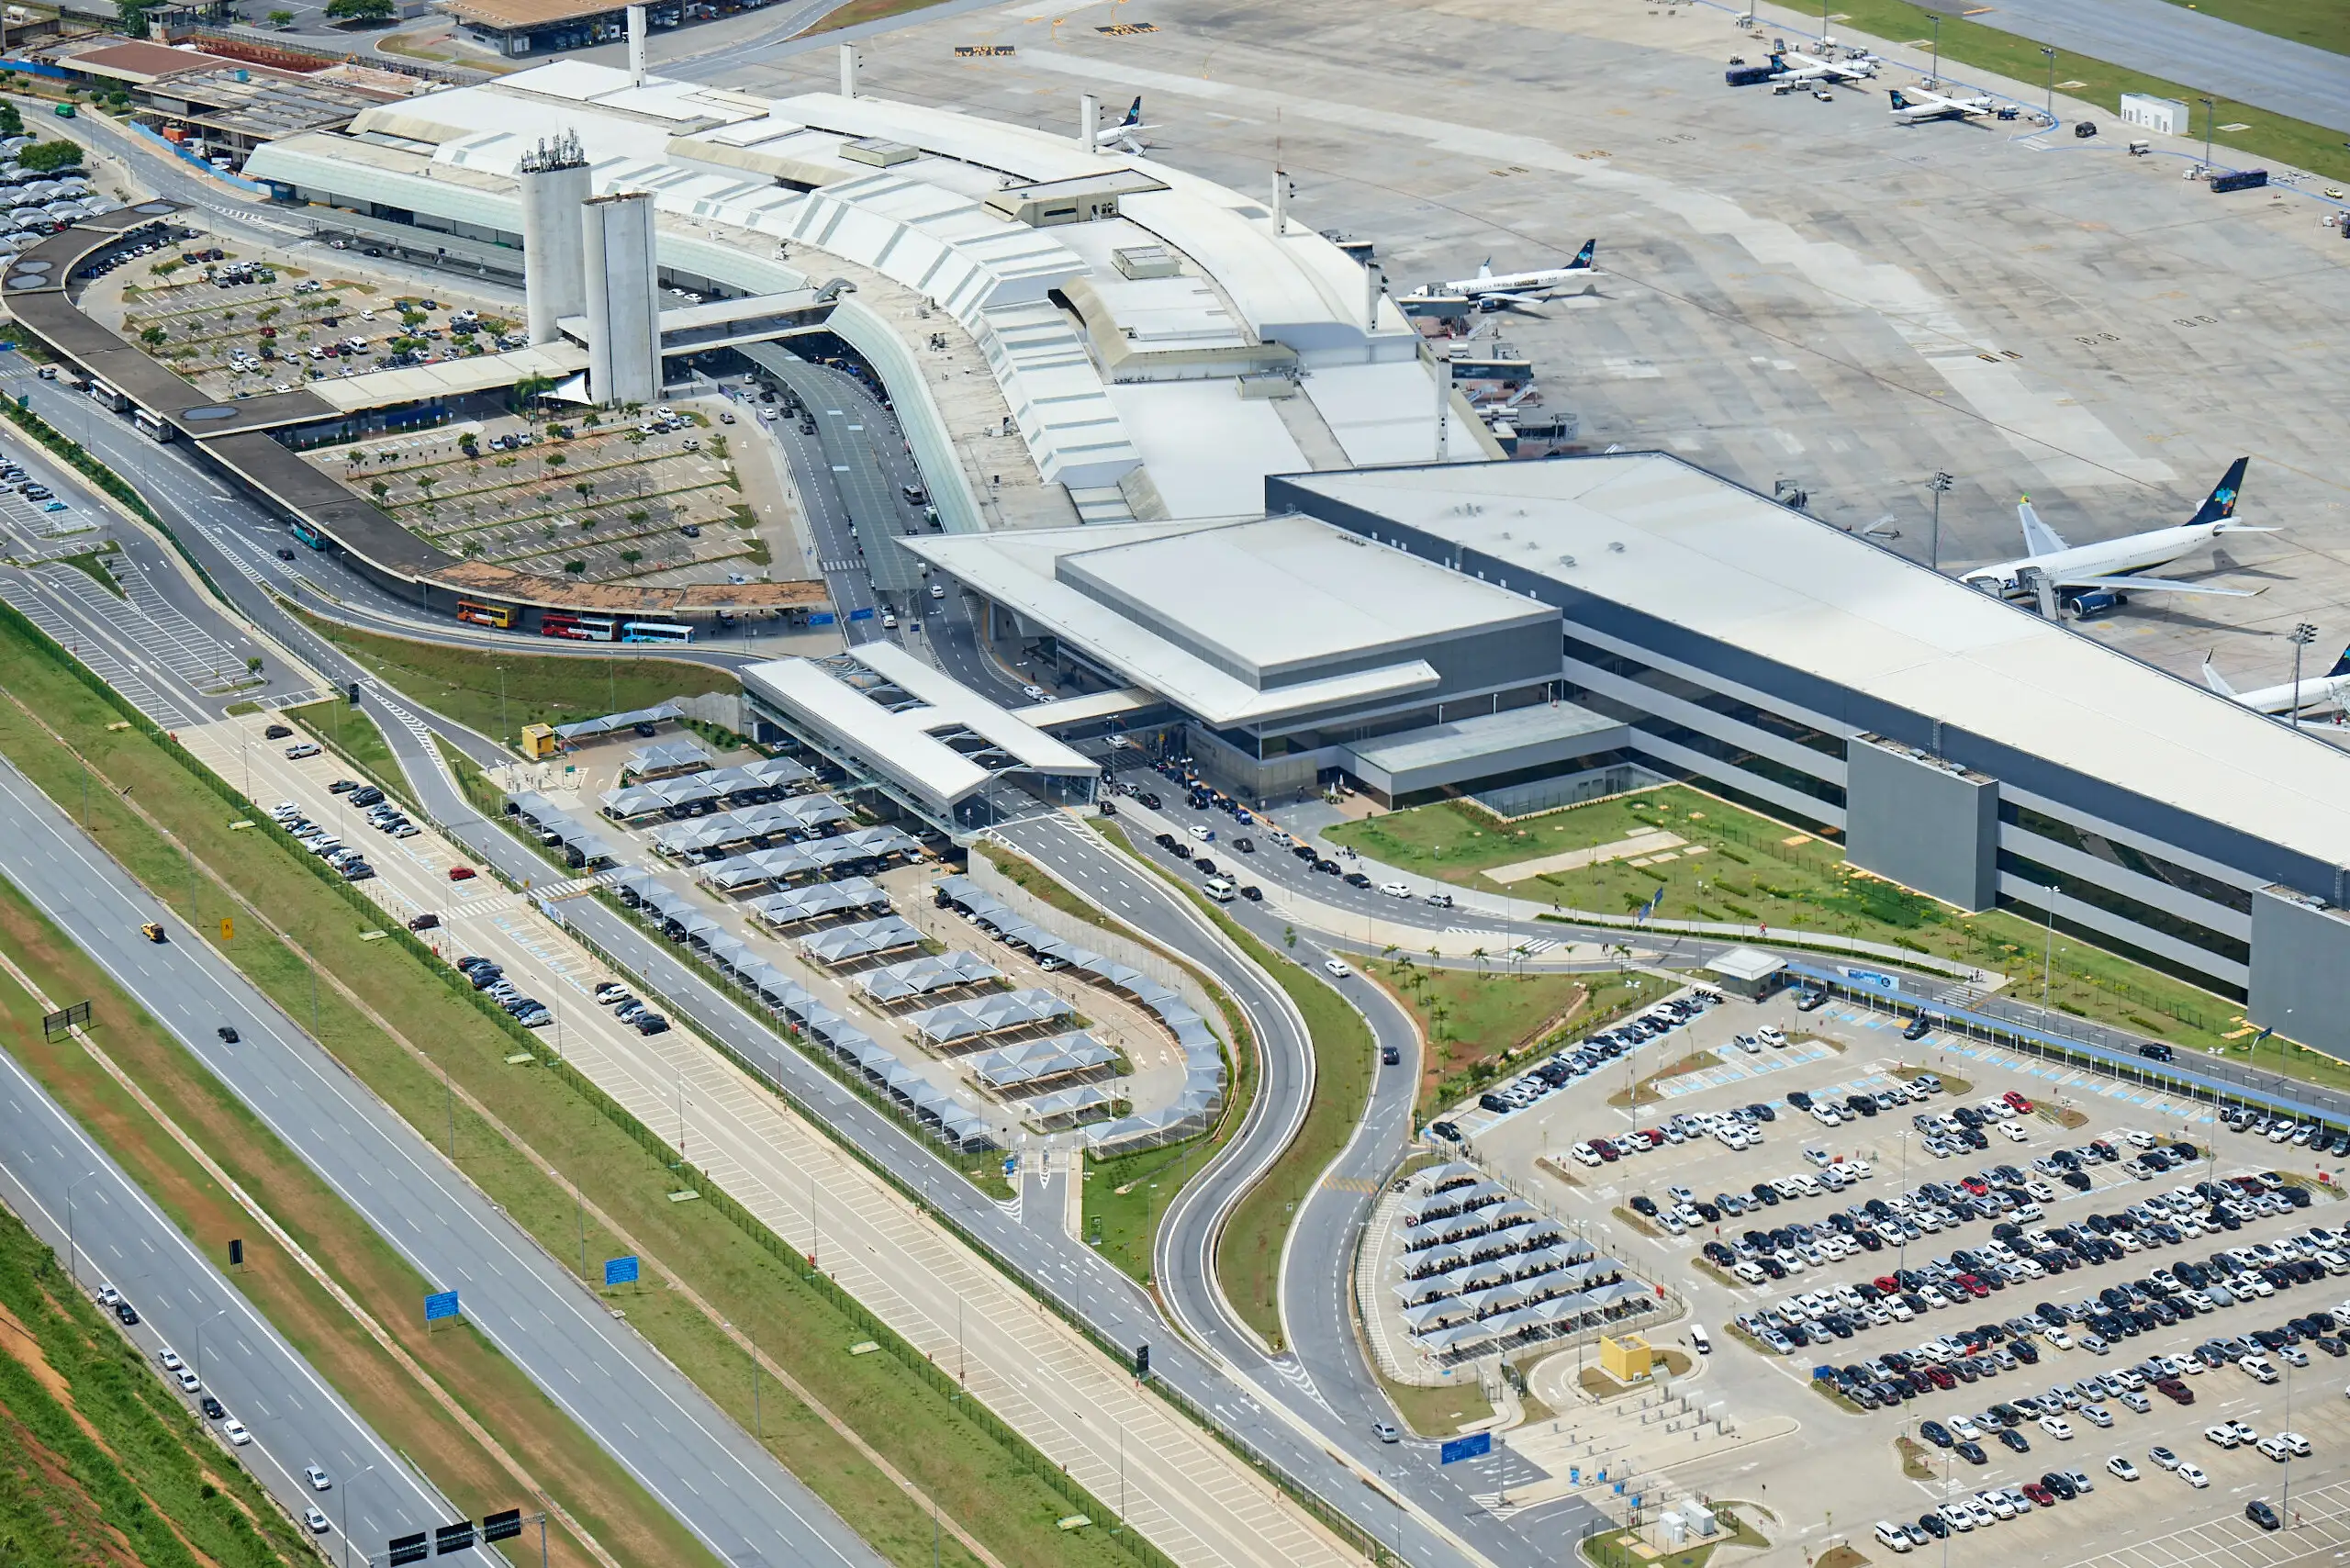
2320	24
351	735
1126	1198
1249	1255
1439	1412
1476	1022
617	1510
2266	137
976	1480
1742	868
498	693
99	1464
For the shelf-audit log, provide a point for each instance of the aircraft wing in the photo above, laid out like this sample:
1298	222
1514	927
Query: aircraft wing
2153	584
2039	539
2212	679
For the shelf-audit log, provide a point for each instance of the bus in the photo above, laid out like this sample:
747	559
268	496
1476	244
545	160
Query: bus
308	535
498	615
578	627
151	427
654	632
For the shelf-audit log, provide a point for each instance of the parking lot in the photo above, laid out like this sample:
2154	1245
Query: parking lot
2003	1246
241	320
646	497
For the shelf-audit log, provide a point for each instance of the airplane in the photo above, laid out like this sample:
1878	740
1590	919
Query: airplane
2331	689
1505	291
1798	66
1918	106
1126	135
2096	577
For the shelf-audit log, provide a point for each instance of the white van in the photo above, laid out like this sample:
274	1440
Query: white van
1220	889
1697	1338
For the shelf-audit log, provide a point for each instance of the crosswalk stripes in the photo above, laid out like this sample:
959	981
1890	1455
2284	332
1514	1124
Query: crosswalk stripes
1529	945
841	566
1348	1184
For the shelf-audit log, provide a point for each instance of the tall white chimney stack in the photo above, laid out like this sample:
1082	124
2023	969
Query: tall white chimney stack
1088	121
848	71
636	44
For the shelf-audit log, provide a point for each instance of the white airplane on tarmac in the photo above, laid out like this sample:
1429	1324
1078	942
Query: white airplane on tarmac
1916	106
1798	66
1126	135
1507	291
2331	689
2089	577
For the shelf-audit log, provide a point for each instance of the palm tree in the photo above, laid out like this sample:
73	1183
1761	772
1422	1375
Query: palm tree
1479	953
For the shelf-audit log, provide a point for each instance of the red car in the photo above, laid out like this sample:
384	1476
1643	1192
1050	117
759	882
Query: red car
1606	1147
1655	1137
1974	1286
1977	1185
2172	1389
461	873
1887	1284
1940	1377
2022	1106
2041	1498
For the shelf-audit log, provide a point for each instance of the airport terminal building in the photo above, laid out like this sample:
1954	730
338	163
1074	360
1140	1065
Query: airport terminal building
1524	632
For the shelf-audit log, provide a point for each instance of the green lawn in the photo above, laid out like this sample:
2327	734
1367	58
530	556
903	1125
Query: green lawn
1249	1254
498	693
141	1482
351	735
1476	1022
2320	24
978	1478
1752	870
2268	137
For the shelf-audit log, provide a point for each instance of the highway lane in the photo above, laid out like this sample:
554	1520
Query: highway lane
60	1181
653	1422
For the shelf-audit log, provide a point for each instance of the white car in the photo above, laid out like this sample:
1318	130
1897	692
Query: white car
170	1359
2013	1133
2057	1427
1395	890
2192	1474
1203	834
319	1479
315	1521
2122	1468
1330	967
234	1430
1892	1537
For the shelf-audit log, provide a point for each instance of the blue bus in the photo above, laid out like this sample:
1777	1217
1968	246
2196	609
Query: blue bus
309	536
656	631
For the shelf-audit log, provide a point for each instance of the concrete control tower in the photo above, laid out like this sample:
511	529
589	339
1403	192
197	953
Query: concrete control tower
555	183
624	299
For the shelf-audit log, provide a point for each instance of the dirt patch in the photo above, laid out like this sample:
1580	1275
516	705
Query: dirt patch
1558	1172
1915	1463
1952	1086
1841	1556
1645	1092
1636	1222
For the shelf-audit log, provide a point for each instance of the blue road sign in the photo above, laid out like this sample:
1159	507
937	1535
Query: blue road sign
439	1304
1872	979
823	618
620	1271
864	614
1470	1447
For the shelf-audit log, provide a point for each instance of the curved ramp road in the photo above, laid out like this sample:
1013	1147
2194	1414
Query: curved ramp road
742	1504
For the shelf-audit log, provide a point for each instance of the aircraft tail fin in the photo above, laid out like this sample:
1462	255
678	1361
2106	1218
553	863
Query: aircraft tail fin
1584	256
2341	666
1898	101
1134	112
2212	679
2039	539
1485	267
2220	504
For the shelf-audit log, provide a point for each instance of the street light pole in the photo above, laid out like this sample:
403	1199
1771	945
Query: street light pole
1940	485
73	1250
1936	18
2052	82
2300	636
344	1503
2211	116
224	1312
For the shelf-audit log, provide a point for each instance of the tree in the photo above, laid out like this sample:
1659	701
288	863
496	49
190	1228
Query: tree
46	157
12	120
281	19
151	336
359	10
574	567
130	16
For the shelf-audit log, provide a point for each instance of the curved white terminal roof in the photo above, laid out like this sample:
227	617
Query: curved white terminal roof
717	157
